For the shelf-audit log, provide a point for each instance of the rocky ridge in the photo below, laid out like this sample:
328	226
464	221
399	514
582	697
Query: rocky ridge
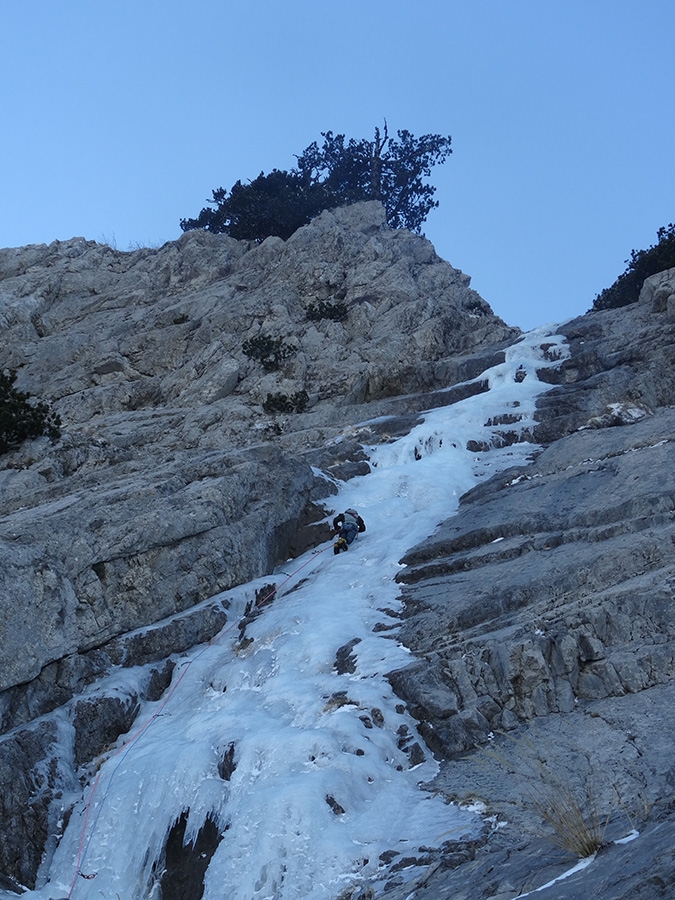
170	483
539	616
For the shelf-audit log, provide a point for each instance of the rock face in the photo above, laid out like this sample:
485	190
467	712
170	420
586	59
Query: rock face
170	482
540	617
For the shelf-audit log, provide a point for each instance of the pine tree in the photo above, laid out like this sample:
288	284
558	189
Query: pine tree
340	172
641	264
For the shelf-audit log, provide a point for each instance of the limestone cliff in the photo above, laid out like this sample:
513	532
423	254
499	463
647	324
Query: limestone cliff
542	619
544	607
170	483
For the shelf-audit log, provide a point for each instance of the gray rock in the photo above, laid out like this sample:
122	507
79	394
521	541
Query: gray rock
169	483
98	722
542	659
59	681
564	626
32	779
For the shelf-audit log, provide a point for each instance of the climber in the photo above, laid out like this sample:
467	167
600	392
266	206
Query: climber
347	525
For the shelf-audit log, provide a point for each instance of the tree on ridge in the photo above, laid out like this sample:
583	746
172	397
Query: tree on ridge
337	173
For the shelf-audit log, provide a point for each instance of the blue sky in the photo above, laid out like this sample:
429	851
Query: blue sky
121	117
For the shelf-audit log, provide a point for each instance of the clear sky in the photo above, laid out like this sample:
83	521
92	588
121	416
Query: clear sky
120	118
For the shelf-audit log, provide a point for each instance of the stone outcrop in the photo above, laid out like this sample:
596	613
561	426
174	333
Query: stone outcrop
550	587
170	482
539	618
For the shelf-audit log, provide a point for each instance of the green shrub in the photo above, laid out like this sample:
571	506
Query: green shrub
21	418
337	311
269	352
642	264
337	173
282	403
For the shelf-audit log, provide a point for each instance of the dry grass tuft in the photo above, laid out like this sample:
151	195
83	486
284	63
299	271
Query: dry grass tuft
569	809
576	823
